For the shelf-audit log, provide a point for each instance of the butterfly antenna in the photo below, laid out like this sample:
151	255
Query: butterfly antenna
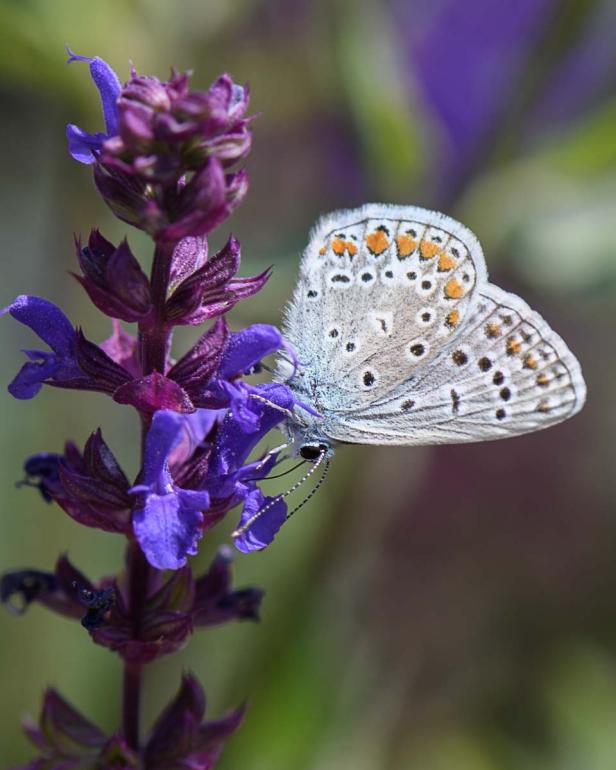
240	530
312	492
264	400
284	473
269	454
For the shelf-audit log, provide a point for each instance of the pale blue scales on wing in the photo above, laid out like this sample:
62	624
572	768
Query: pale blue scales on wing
401	339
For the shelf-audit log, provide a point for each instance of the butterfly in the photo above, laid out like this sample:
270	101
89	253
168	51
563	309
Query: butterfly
402	340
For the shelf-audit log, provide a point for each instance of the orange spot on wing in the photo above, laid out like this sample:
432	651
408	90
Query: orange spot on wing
454	289
446	262
323	250
530	362
543	380
427	249
406	245
452	319
493	330
377	242
513	346
351	248
338	246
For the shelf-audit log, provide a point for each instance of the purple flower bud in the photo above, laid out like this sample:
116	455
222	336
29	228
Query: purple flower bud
188	256
216	602
201	205
66	731
173	732
195	370
102	373
153	392
113	278
91	488
179	738
94	489
166	621
127	198
212	290
67	740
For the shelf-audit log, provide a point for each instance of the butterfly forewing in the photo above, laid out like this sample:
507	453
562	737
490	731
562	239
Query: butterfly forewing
382	290
506	374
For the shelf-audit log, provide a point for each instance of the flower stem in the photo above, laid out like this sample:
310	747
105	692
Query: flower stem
131	704
156	338
154	345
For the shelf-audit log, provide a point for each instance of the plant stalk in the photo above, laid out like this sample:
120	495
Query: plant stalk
154	342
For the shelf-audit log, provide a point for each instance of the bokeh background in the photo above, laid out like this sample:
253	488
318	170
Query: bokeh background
431	608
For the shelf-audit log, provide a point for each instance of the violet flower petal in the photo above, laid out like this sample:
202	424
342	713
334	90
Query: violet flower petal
45	319
108	85
246	348
167	530
54	328
165	432
234	444
83	146
169	524
262	532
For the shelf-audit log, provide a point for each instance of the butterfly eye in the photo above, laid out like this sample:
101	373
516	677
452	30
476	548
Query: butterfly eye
312	451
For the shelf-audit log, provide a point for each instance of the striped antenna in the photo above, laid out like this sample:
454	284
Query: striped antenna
264	400
240	530
313	491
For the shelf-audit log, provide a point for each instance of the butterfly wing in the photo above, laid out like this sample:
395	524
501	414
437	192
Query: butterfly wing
506	374
382	289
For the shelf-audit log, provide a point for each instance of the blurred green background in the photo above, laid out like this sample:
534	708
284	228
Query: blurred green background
432	608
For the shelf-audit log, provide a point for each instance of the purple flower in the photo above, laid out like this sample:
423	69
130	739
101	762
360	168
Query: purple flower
113	278
74	362
207	453
237	353
83	146
164	162
168	525
262	531
231	480
243	352
54	328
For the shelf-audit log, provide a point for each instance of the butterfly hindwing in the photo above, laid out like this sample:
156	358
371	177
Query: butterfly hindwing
506	374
